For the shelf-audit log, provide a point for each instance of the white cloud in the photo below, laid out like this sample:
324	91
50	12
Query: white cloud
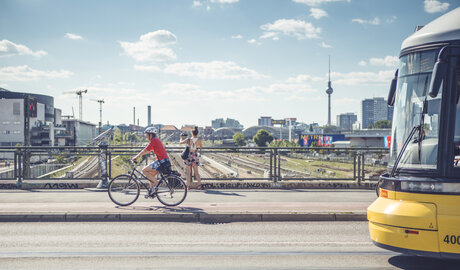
299	29
8	48
197	4
363	78
25	73
73	36
391	19
316	2
324	45
253	41
152	46
375	21
271	35
317	13
434	6
302	78
225	1
189	93
387	61
213	70
237	37
150	68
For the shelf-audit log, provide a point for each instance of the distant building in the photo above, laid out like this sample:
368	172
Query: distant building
44	120
374	110
77	132
187	129
167	129
390	113
220	123
369	138
293	121
345	121
265	121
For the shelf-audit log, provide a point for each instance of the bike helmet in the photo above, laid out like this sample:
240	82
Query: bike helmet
151	130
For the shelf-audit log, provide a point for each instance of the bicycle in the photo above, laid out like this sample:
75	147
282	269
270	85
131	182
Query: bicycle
124	189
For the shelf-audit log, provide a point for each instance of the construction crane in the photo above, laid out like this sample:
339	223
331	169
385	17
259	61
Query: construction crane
80	99
100	101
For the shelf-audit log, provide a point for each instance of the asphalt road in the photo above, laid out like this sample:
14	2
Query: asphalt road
294	245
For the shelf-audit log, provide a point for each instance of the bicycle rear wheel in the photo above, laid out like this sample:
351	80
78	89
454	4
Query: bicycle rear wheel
124	190
172	190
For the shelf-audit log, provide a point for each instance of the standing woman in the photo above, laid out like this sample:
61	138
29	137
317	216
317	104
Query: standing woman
193	161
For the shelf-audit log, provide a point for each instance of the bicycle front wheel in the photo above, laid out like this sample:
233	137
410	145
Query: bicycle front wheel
172	190
124	190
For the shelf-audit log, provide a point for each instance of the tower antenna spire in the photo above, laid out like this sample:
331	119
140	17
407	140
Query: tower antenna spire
329	91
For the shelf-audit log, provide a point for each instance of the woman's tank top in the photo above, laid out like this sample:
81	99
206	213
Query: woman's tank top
193	144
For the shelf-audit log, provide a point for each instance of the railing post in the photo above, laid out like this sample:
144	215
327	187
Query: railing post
15	165
271	164
278	178
19	172
358	179
103	184
110	165
354	165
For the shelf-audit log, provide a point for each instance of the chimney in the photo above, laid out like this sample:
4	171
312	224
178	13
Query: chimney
134	115
149	115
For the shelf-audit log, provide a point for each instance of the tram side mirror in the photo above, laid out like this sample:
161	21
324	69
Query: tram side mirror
392	93
439	72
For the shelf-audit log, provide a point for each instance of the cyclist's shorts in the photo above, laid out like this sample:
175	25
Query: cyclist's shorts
160	164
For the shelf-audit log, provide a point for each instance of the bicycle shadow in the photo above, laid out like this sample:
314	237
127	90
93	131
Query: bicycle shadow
218	192
162	209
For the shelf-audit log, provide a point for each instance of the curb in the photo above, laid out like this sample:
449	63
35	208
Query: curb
207	218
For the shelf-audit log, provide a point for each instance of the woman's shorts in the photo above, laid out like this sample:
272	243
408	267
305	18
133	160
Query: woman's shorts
192	159
160	164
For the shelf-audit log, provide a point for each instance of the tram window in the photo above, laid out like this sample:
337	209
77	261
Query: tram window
457	126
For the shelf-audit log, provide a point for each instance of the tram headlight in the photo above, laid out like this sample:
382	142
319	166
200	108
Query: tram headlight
430	187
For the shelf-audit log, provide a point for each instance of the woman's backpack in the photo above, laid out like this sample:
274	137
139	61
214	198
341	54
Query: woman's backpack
185	153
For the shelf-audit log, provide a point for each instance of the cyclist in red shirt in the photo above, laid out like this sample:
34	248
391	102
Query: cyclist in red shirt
161	163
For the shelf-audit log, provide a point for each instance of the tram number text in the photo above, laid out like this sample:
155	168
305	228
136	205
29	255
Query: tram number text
452	239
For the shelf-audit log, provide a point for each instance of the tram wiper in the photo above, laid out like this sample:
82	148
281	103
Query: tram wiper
403	150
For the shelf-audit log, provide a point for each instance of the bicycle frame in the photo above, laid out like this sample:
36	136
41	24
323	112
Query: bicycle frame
135	177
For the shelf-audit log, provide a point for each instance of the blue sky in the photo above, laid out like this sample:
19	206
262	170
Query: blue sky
194	61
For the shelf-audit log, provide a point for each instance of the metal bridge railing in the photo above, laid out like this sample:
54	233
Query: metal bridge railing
217	163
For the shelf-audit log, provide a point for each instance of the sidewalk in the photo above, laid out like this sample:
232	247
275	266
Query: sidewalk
209	206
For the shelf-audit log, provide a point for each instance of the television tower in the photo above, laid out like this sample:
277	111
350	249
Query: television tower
329	91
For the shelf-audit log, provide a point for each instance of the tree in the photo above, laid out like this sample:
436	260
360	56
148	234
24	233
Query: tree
238	138
262	138
381	124
117	136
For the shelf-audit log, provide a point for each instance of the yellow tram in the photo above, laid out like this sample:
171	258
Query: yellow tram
418	208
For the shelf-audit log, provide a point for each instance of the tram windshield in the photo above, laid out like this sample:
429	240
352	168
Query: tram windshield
414	107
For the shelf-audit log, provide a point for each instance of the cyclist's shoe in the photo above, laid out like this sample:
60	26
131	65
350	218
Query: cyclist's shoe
152	193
